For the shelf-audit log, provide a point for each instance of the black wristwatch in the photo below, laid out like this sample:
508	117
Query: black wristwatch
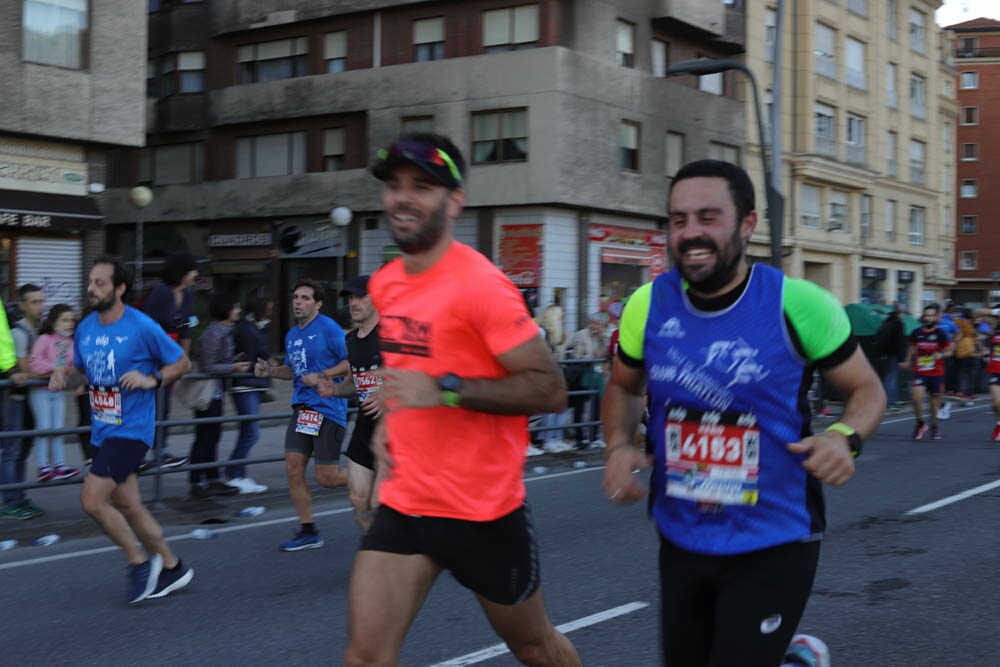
450	385
853	439
158	376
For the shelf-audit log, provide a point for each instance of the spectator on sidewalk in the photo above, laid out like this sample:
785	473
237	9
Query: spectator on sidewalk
214	354
171	304
53	349
967	355
589	343
252	340
892	345
14	455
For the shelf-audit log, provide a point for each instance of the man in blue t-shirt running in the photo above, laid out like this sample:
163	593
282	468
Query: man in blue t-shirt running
124	356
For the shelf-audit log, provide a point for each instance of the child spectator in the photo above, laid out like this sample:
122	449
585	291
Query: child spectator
53	349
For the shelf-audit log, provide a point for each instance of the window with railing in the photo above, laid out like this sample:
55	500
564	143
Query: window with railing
809	211
510	29
855	140
428	39
968	47
273	61
825	51
826	130
838	220
917	225
918	159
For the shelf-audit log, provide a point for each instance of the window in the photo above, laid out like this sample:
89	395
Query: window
333	149
891	11
969	188
916	225
946	132
970	80
152	87
428	39
769	110
770	33
658	52
809	214
891	146
625	44
918	158
55	32
167	75
825	51
838	220
628	142
970	152
918	37
970	115
859	7
271	155
890	220
272	61
946	221
674	153
510	29
968	260
855	139
712	83
946	179
335	51
724	152
892	95
416	124
826	130
918	96
866	216
968	47
170	165
969	224
854	64
191	71
500	136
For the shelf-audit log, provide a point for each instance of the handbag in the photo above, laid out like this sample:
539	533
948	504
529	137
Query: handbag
195	394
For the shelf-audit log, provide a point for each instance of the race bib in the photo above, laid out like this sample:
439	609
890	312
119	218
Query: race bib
308	422
366	382
712	457
106	405
926	362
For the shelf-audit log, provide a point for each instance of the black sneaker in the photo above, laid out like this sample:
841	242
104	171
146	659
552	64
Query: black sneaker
218	488
142	578
172	580
170	461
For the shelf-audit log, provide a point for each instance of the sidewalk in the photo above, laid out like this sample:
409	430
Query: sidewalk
64	517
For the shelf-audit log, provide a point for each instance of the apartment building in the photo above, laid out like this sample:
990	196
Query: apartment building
72	79
868	121
976	45
264	115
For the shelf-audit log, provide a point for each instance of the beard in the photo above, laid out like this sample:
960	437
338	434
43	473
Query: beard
102	305
709	280
424	238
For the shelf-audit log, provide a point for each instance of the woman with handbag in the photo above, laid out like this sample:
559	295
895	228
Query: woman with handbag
252	340
214	354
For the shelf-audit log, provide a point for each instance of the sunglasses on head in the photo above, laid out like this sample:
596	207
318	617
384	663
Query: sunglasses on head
420	151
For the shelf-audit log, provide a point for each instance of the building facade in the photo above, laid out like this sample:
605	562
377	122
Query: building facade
867	142
264	115
976	45
72	79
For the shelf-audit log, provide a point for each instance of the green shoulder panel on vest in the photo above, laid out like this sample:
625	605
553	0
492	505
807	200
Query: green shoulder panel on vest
819	319
632	326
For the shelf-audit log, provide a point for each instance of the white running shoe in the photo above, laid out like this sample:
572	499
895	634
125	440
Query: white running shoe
944	412
247	485
535	451
807	651
557	446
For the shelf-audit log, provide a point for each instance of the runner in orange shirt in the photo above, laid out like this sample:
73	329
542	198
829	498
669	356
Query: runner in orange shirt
464	366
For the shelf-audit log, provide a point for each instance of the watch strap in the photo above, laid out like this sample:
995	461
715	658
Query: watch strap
853	439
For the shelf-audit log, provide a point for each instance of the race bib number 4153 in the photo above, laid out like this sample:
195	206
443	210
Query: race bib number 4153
712	457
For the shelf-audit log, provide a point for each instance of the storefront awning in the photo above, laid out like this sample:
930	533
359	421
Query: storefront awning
627	256
47	212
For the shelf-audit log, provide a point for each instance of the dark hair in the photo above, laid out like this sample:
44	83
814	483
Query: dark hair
49	325
740	185
343	318
120	273
220	305
256	305
438	141
24	290
933	306
317	287
176	266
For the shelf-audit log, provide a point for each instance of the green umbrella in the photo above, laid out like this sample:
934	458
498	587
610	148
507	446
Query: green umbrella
909	322
865	320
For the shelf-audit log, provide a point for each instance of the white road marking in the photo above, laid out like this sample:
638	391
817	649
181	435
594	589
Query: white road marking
501	649
930	507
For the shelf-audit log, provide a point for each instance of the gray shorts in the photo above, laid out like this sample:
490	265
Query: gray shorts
326	444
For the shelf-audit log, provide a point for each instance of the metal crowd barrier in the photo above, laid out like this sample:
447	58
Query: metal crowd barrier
163	423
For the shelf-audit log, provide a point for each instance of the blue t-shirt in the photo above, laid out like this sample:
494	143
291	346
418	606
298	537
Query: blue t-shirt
104	354
313	349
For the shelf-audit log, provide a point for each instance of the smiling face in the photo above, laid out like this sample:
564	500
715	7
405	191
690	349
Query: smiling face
418	208
705	239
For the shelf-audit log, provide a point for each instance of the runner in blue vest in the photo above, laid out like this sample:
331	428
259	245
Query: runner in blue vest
726	352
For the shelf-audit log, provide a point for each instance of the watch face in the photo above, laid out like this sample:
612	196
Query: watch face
450	382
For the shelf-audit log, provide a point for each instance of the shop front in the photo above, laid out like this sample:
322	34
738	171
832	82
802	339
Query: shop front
873	284
628	257
904	285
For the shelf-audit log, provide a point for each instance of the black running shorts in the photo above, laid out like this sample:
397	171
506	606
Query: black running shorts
360	448
325	444
118	458
497	560
719	611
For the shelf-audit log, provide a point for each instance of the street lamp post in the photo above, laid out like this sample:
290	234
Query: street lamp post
140	197
775	200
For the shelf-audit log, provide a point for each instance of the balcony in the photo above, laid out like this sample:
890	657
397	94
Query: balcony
856	155
988	52
826	146
721	24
